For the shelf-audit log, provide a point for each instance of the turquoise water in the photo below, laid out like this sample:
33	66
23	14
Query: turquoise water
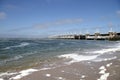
21	54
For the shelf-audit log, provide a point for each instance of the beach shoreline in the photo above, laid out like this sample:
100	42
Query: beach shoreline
85	70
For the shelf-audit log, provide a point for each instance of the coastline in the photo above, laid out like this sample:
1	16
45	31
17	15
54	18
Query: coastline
84	70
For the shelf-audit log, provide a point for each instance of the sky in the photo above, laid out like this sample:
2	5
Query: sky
43	18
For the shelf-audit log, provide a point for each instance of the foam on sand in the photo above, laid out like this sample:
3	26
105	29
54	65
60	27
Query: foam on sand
83	76
108	65
103	69
77	58
60	78
23	73
6	74
1	79
47	75
103	73
104	76
105	59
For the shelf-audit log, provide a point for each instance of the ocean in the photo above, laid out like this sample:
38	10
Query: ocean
21	57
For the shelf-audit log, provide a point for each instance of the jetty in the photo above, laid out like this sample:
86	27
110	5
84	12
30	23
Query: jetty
95	36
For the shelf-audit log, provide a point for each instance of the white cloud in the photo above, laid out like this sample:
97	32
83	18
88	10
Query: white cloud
59	22
2	15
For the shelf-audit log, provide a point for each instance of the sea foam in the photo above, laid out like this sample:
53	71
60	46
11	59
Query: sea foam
23	73
77	58
106	50
103	73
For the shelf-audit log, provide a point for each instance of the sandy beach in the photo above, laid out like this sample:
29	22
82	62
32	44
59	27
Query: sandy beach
85	70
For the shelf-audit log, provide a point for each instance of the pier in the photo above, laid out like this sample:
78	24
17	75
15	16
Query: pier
95	36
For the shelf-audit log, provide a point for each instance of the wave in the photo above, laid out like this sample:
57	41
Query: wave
17	75
20	74
77	58
23	73
23	44
111	48
105	59
12	59
106	50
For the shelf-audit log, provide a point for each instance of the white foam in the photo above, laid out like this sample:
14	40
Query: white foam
107	50
21	45
104	75
1	79
83	76
23	73
44	69
77	57
47	75
108	65
7	74
102	71
105	59
60	77
102	67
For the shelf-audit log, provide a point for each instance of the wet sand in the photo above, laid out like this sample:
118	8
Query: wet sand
84	70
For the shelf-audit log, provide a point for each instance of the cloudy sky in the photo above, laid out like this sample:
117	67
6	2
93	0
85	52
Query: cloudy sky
42	18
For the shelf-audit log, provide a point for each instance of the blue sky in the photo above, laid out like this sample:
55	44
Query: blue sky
42	18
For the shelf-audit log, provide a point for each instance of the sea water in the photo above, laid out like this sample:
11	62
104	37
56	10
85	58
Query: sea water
22	55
